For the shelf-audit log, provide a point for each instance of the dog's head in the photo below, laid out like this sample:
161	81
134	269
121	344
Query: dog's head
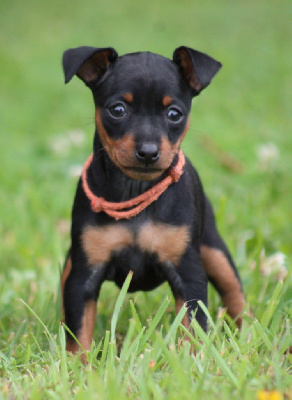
143	101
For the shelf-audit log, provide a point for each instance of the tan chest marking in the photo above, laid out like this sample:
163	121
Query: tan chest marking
167	241
100	243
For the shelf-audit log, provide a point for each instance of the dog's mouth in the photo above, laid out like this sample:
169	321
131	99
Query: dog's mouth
144	173
145	170
130	166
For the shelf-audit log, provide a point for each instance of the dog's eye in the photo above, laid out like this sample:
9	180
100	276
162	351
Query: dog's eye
118	110
173	114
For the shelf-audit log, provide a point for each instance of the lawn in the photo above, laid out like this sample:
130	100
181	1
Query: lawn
240	141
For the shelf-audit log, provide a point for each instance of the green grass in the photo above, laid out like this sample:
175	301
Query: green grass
136	354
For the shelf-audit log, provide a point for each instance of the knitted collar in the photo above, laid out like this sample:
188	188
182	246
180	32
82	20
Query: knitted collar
132	207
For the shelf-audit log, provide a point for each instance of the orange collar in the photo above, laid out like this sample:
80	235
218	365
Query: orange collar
137	204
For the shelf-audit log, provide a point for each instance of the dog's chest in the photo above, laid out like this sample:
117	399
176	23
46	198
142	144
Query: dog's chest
167	242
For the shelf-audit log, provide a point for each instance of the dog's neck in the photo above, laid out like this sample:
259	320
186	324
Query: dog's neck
107	180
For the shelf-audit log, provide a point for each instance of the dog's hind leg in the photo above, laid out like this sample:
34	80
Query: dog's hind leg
65	273
220	268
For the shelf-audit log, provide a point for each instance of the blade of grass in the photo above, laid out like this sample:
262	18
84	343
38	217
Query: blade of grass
64	369
263	335
176	323
104	349
127	341
231	338
50	337
118	305
74	337
134	349
173	329
135	316
94	351
206	312
155	322
214	352
62	337
272	305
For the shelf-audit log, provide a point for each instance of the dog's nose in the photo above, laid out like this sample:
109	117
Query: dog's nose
147	153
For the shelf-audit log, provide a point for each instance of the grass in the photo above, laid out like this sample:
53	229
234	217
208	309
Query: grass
239	140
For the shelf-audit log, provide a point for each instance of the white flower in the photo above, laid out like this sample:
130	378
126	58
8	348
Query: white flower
63	226
75	170
77	137
268	154
273	265
62	144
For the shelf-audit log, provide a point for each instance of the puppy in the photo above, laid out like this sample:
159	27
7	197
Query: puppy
139	205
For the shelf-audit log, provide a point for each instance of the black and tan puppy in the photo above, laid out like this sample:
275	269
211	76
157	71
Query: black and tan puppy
140	205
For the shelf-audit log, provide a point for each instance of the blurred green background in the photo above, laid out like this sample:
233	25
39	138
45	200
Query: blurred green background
240	137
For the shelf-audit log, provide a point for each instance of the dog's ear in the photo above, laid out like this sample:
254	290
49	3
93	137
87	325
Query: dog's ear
88	63
197	68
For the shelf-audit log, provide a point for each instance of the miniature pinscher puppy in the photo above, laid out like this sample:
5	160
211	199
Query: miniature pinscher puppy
140	205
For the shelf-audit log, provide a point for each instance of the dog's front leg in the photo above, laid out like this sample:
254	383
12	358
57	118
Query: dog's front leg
80	293
189	284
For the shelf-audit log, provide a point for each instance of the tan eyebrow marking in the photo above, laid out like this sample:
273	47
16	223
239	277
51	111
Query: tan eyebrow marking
128	97
166	100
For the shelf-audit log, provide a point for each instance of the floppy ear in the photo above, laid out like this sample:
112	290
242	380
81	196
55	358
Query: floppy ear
197	68
88	63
